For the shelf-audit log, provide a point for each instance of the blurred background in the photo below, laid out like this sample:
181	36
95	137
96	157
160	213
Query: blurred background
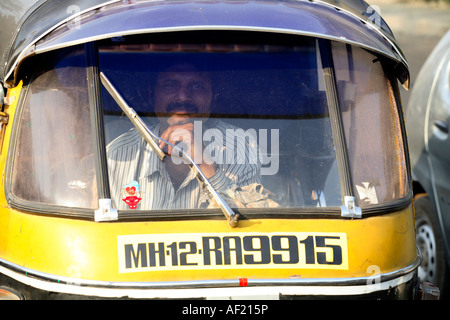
418	25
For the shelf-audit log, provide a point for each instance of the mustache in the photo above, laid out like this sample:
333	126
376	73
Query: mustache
187	106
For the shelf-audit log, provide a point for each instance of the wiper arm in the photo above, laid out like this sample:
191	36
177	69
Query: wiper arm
150	138
140	125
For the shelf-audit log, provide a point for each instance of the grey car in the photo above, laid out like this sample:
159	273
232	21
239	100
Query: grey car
428	122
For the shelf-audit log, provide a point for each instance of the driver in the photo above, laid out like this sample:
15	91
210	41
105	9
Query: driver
182	100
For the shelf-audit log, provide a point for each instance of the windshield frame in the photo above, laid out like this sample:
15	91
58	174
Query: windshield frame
95	102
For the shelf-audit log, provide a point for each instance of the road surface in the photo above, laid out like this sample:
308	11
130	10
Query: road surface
418	26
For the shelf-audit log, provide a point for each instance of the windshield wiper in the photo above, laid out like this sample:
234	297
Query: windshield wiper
150	138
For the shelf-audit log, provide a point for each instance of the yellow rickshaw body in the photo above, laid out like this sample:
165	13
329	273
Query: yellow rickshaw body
91	251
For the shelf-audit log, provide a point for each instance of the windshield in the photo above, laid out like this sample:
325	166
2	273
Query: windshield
53	158
254	117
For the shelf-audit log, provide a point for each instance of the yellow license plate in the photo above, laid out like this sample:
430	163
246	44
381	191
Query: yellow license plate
295	250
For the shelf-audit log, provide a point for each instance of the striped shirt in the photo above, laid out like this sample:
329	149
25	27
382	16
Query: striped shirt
130	158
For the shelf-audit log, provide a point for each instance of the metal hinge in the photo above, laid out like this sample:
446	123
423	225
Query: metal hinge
4	120
105	212
349	209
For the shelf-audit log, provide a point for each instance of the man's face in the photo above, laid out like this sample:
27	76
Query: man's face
183	91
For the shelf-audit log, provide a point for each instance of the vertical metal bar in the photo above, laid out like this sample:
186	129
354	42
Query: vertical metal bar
337	126
96	108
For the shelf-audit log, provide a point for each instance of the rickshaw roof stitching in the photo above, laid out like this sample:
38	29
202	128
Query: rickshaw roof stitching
34	20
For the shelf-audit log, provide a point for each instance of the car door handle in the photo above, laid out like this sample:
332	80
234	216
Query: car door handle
441	125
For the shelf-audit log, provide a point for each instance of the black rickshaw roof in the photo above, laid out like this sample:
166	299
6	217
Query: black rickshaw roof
34	26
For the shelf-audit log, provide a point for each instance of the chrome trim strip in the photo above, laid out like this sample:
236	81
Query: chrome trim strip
46	281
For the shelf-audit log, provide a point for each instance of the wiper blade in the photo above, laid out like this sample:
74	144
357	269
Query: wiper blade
150	138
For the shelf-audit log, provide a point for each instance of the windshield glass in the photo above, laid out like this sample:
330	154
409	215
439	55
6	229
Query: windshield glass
372	126
250	117
254	117
54	155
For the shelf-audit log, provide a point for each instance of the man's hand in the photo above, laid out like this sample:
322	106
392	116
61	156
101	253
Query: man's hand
181	130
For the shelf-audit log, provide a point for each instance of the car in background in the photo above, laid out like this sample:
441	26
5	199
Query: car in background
427	123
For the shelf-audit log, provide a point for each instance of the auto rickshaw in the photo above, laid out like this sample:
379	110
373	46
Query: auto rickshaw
296	183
